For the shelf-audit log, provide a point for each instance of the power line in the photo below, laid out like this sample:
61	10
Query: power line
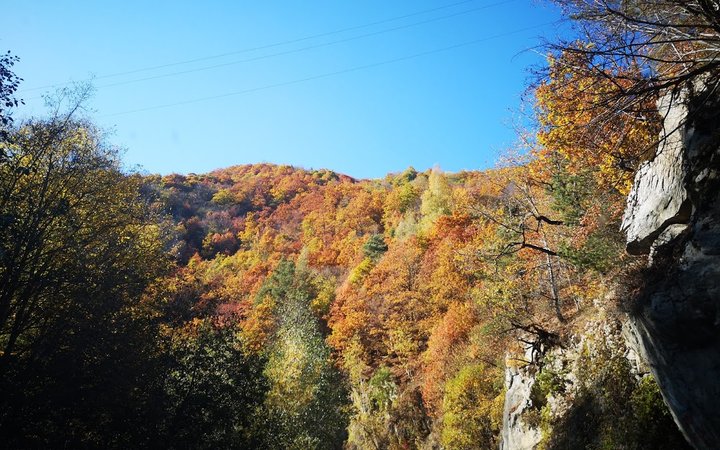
267	46
330	74
298	50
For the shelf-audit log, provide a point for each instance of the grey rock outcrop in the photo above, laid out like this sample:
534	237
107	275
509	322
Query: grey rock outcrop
673	214
517	434
658	197
556	421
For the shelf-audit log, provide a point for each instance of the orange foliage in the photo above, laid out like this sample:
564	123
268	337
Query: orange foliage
444	264
573	127
444	352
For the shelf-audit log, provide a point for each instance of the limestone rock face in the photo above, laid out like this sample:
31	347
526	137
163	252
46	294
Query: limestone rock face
516	433
522	428
658	197
677	323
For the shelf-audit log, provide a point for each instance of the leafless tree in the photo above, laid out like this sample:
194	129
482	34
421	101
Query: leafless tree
646	47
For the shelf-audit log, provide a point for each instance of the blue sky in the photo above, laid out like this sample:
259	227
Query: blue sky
363	88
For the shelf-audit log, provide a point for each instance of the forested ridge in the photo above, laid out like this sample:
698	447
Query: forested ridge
280	307
271	306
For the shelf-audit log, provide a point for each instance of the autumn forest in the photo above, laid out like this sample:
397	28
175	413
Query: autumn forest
271	306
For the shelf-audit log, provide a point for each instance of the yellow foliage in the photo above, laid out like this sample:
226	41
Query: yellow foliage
472	408
574	128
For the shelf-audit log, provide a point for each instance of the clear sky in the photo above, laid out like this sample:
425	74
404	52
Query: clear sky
363	88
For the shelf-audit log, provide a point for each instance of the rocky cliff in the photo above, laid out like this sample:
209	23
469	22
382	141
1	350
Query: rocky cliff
517	433
592	392
561	399
673	215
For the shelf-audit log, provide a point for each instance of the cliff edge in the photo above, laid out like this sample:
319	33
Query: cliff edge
673	215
